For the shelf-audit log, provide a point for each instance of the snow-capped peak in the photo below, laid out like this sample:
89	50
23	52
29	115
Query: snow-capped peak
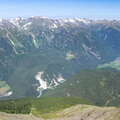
74	20
86	21
42	17
16	21
69	20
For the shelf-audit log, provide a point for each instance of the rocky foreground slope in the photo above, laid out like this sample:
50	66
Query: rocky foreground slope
78	112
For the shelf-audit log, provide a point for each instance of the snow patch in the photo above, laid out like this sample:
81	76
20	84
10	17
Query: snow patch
96	55
43	85
83	20
89	50
16	21
60	79
10	39
7	94
74	20
68	20
105	38
41	17
25	27
70	56
68	94
54	26
34	40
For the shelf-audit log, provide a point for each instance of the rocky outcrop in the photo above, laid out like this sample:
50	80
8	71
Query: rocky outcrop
85	112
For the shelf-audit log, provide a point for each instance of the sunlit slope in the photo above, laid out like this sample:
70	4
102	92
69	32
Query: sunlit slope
101	86
40	106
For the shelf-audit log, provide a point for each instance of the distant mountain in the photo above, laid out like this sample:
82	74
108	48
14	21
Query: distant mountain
39	53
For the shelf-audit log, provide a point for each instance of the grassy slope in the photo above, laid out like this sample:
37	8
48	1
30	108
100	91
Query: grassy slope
44	107
77	112
114	64
59	108
100	86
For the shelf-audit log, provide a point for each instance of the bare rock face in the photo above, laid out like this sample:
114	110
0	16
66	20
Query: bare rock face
78	112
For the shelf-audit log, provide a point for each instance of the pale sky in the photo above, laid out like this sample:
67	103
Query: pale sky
93	9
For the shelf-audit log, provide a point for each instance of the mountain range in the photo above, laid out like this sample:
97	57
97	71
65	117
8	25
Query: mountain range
42	56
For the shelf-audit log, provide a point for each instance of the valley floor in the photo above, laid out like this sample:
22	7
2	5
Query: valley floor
78	112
